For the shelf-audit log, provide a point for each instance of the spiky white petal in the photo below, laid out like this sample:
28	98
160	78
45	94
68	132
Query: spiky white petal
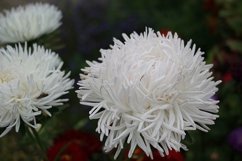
148	91
28	22
31	82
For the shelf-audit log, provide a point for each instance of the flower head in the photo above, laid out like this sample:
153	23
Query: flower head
31	82
87	142
28	22
173	156
148	91
69	152
74	145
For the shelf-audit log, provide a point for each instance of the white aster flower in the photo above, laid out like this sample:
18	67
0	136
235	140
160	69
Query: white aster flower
148	91
31	82
28	22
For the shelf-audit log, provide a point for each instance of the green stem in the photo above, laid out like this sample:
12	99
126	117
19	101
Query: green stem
35	137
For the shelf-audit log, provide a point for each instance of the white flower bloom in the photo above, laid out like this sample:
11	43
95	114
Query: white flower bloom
31	82
148	91
28	22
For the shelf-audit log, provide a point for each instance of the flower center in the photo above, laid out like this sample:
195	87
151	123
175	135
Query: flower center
5	77
66	157
167	98
157	54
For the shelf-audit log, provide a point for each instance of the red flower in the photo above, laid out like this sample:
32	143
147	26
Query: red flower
67	152
74	146
173	156
211	6
164	31
87	141
227	77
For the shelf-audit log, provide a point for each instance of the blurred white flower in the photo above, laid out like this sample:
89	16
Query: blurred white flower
28	22
31	82
148	91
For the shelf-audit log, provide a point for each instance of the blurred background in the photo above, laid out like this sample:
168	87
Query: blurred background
89	25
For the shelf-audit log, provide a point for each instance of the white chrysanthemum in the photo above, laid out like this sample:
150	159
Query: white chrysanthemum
31	82
28	22
148	91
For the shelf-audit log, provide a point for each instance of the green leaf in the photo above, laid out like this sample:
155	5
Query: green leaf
80	124
212	53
